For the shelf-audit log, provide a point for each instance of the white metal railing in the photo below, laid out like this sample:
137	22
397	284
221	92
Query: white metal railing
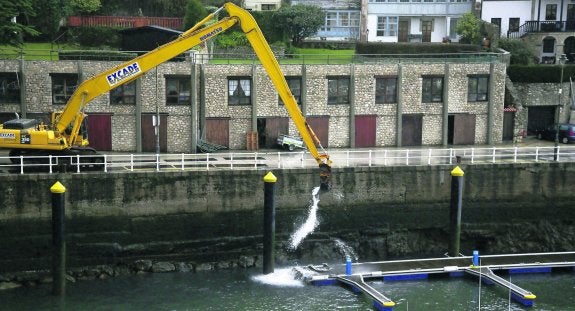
285	160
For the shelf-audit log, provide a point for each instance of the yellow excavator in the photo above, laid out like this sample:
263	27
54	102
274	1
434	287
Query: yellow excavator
66	134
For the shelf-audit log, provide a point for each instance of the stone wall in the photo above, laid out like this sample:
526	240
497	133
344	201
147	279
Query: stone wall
217	215
213	101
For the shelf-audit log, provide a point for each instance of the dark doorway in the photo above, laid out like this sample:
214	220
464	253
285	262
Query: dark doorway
508	125
411	130
539	117
403	31
365	129
461	129
426	29
149	133
269	129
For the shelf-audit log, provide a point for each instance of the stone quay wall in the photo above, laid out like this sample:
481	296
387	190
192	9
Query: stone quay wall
217	216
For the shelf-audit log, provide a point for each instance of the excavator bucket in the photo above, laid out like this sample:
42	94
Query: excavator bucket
324	177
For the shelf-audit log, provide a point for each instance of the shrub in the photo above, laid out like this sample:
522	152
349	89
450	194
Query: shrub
539	73
96	36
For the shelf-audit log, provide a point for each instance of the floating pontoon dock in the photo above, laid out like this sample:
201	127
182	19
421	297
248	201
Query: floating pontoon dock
455	266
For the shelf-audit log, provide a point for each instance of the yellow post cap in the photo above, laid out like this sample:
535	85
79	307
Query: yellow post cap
270	178
457	172
58	188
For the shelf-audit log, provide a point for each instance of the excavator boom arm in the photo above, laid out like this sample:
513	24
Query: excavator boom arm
133	69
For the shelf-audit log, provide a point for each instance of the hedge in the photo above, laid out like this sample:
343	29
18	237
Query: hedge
540	73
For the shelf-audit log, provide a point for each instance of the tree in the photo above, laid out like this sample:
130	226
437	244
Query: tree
52	13
521	52
195	12
85	6
11	31
468	27
299	21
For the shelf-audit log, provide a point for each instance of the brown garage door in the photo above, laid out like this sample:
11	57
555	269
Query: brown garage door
411	131
365	129
464	129
149	133
100	131
320	126
218	131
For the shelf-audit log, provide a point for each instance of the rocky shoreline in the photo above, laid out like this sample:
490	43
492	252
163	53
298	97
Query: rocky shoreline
13	280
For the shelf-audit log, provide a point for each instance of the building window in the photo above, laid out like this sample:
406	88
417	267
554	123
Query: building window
9	87
124	94
294	84
178	90
477	88
385	90
496	21
432	90
330	20
551	12
268	7
548	45
63	86
338	90
453	28
386	26
514	24
239	91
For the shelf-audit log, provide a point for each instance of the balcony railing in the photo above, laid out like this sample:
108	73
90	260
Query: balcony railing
286	160
541	26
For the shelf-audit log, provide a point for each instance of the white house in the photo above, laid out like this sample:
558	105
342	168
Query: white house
262	5
548	25
414	20
342	21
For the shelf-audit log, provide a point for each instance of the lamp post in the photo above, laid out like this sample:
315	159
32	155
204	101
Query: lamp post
562	60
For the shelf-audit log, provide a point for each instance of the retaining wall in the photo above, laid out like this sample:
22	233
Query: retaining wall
213	216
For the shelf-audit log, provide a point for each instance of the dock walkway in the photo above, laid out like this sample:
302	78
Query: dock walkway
455	266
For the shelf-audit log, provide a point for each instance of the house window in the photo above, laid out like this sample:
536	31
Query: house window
496	21
330	20
338	90
294	84
386	26
63	86
514	24
551	12
385	90
239	91
9	87
268	7
548	45
453	28
432	90
477	88
124	94
178	91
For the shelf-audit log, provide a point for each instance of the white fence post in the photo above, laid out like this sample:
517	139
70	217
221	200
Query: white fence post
515	155
207	161
493	160
450	156
472	155
157	162
407	157
232	161
77	163
537	154
131	162
106	163
21	164
279	160
429	157
182	161
370	158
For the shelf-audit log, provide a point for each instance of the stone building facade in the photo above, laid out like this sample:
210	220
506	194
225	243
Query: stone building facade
210	95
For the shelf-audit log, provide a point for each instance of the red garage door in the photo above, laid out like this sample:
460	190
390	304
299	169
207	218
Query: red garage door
365	131
100	131
149	133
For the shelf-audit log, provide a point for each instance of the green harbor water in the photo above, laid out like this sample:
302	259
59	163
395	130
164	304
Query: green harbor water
249	290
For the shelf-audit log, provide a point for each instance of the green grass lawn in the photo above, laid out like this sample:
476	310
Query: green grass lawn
302	56
36	51
48	51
